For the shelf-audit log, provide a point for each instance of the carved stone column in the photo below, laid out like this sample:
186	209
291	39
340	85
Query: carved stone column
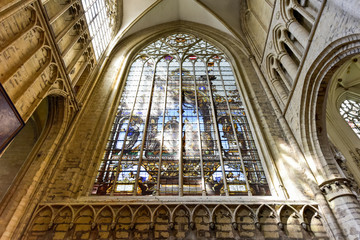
289	64
304	13
299	32
344	205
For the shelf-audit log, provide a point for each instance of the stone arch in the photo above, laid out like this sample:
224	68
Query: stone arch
219	207
124	222
127	49
29	20
221	219
41	223
35	164
278	38
207	33
63	221
243	222
290	9
313	120
181	219
279	84
84	222
200	220
285	44
312	223
267	222
142	222
298	20
290	220
58	90
104	220
285	10
342	91
288	57
161	220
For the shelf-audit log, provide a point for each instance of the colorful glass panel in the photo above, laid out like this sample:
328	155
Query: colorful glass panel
350	111
181	127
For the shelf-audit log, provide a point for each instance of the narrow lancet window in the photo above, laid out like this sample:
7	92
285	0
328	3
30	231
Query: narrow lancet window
99	24
181	127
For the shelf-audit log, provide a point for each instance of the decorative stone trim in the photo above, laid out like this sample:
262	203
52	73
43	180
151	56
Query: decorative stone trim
336	188
154	218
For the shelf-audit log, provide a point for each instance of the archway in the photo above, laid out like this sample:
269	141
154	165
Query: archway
342	119
181	110
26	188
14	157
316	144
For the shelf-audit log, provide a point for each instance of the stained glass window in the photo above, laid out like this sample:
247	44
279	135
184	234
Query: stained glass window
98	22
181	127
350	111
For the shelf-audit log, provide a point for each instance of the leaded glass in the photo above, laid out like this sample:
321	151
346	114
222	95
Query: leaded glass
350	111
181	127
99	24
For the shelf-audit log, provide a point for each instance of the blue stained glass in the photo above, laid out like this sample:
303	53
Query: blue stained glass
195	118
168	57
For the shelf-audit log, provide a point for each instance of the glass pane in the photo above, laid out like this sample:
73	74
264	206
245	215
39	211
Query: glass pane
98	22
350	111
190	108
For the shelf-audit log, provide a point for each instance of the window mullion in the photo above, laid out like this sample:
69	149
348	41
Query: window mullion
181	162
203	188
127	131
145	131
162	131
142	159
217	131
235	134
109	153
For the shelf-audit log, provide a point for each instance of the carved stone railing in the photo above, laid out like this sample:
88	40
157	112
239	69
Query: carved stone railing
206	218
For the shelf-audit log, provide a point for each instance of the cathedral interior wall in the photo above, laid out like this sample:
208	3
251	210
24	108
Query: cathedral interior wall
284	65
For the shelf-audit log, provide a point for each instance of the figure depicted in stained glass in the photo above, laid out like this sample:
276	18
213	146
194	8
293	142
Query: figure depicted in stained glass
133	134
181	105
172	132
152	144
190	139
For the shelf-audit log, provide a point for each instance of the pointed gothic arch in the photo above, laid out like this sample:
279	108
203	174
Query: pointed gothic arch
133	132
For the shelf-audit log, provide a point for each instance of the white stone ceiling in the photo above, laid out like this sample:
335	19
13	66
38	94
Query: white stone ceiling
140	14
349	76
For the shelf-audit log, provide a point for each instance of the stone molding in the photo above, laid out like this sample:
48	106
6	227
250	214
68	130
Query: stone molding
228	218
335	188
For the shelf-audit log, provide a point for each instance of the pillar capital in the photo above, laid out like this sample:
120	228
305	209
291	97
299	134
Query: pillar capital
335	188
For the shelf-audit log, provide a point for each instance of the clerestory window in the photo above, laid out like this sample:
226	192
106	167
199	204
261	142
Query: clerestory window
99	25
181	127
350	111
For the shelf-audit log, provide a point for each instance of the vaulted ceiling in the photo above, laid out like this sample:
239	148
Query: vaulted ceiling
246	20
224	15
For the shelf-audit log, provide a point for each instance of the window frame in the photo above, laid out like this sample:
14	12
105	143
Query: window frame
240	92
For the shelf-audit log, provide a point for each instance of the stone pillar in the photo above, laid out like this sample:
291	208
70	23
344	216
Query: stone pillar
289	64
293	48
344	205
304	13
284	77
299	32
279	89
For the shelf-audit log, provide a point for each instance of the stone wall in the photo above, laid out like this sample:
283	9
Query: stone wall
46	53
176	221
29	65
